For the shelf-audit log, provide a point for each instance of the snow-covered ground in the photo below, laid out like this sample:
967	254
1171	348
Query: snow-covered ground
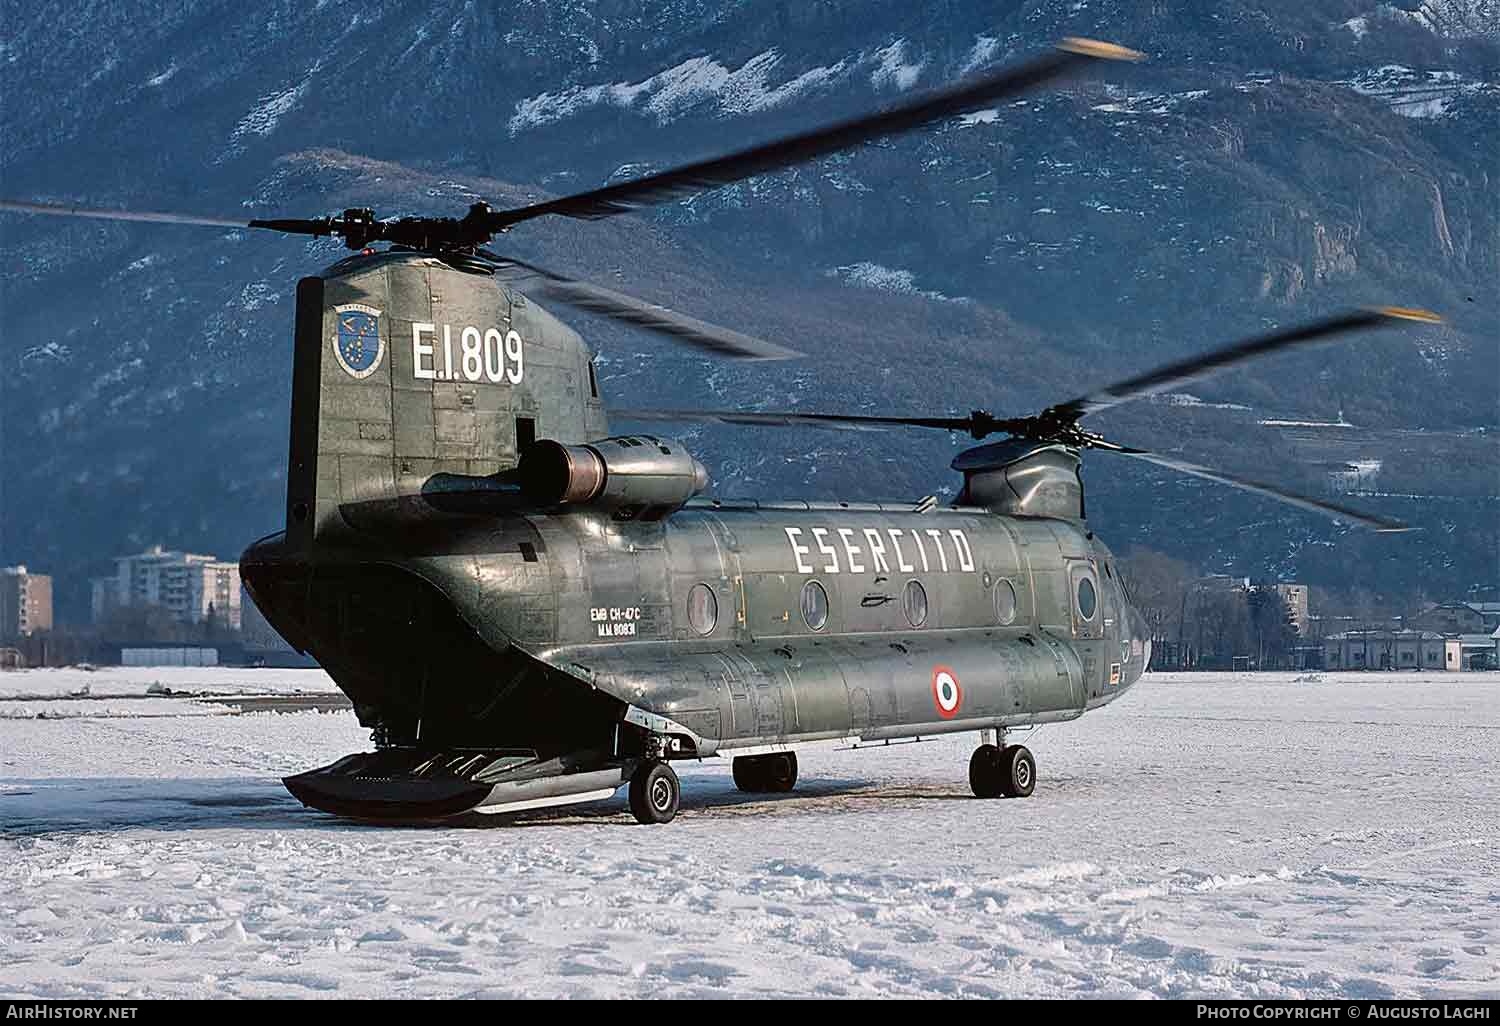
137	681
1208	834
168	691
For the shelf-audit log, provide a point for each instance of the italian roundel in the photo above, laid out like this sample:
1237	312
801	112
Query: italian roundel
356	343
946	694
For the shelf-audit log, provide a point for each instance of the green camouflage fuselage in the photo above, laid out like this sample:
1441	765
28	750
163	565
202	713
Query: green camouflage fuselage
457	611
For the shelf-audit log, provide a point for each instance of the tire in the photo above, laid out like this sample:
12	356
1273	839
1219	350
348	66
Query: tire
1017	772
655	793
985	776
780	774
749	774
760	774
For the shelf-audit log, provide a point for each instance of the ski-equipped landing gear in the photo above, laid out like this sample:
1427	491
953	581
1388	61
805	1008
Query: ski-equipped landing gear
655	794
774	773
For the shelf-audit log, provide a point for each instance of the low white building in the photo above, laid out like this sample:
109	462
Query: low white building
1391	650
191	587
176	656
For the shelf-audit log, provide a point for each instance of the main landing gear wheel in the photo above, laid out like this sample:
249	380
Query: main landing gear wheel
984	772
1009	771
1017	772
655	793
775	773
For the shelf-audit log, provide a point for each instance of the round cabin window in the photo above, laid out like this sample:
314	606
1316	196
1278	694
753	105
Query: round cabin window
1088	598
914	603
1005	602
814	605
703	609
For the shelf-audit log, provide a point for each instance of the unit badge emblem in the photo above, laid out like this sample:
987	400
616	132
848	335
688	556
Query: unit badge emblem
357	343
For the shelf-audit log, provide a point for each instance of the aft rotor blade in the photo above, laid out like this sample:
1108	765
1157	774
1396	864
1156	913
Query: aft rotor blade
297	226
1068	56
71	210
835	421
678	326
1333	509
1182	372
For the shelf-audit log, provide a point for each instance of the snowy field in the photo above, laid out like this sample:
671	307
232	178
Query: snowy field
1207	835
171	691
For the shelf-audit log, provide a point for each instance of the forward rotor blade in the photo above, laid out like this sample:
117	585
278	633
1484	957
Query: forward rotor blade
677	326
70	210
1068	56
1192	369
835	421
1333	509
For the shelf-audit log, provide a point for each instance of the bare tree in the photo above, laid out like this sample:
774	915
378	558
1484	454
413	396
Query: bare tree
1159	587
1224	621
1273	629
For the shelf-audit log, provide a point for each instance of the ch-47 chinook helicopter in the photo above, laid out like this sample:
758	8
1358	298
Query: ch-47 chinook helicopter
529	611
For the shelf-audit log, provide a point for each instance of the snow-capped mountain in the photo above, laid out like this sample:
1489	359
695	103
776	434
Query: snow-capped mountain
1271	161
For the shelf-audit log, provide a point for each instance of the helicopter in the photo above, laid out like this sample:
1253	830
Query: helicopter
527	610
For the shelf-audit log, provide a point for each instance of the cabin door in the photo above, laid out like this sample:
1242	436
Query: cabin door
1087	604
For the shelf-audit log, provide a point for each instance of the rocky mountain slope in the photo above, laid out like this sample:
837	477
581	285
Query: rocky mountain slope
1272	161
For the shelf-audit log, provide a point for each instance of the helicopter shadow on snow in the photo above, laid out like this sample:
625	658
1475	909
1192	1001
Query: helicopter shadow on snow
712	800
88	805
80	805
716	798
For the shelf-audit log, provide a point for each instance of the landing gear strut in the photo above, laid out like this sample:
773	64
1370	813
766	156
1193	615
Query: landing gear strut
996	771
775	773
655	794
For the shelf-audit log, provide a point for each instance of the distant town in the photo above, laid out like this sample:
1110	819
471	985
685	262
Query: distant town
158	607
164	607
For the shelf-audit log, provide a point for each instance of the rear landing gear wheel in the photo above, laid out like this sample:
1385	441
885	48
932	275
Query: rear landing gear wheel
1017	772
766	773
655	793
781	772
985	776
749	774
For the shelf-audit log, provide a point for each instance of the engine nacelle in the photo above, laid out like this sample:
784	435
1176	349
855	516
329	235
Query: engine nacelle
635	476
